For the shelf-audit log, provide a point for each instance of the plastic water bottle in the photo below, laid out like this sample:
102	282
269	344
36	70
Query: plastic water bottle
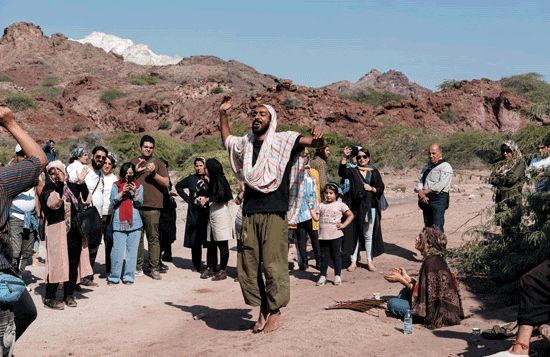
408	323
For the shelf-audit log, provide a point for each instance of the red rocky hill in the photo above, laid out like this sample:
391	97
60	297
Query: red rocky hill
186	95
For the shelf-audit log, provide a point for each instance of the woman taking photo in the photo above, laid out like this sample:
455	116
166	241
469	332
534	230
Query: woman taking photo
434	299
126	196
64	243
220	219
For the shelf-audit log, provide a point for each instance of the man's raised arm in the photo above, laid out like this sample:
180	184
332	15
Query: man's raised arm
224	120
315	140
29	146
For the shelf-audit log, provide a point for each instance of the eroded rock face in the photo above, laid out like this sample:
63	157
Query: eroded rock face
188	94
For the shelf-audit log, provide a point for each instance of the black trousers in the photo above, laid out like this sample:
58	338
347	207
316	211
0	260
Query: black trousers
107	229
196	256
331	249
212	254
24	313
74	245
303	230
534	303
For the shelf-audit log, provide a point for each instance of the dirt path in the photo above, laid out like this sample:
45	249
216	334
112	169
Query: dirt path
156	317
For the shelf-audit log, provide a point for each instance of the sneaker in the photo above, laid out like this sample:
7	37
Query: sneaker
163	269
139	273
322	281
221	275
337	280
88	282
109	282
155	275
70	301
54	304
128	282
207	274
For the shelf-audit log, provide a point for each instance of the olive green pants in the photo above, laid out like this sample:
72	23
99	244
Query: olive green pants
264	240
150	219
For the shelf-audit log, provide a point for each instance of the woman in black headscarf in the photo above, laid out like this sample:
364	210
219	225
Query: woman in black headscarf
220	221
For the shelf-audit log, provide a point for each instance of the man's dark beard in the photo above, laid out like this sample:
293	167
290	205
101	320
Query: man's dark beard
261	131
96	165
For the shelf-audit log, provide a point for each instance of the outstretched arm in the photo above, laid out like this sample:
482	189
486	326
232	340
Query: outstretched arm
224	120
315	140
29	146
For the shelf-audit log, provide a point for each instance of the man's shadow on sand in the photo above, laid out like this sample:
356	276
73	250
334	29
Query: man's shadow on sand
220	319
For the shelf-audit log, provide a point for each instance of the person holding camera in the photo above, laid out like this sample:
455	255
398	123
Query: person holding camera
126	197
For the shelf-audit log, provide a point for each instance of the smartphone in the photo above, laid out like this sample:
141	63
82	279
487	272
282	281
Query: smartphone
130	178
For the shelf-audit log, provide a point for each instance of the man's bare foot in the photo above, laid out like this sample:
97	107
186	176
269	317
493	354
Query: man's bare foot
352	267
272	323
260	324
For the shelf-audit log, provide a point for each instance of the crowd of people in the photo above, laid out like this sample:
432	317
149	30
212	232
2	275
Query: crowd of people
281	191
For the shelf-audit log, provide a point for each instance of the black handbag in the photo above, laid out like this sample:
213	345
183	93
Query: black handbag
89	224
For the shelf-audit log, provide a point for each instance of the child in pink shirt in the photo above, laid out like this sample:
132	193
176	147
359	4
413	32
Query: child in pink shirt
329	216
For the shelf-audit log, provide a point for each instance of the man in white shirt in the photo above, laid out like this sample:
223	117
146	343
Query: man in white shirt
433	187
23	221
95	182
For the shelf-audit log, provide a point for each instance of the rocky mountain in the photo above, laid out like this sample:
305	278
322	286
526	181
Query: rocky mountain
79	87
390	81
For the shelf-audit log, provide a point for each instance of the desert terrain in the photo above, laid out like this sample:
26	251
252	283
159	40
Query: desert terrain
156	317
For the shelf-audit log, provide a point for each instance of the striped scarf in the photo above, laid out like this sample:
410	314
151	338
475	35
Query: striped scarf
266	175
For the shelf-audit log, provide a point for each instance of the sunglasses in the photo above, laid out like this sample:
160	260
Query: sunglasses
359	157
506	151
541	147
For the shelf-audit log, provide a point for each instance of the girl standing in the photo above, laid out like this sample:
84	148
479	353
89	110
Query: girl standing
329	216
126	196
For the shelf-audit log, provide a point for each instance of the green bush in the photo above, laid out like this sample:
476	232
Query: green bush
537	110
179	129
19	101
144	79
112	94
78	127
50	93
216	90
164	124
530	86
4	78
449	117
373	97
291	103
449	83
88	141
50	81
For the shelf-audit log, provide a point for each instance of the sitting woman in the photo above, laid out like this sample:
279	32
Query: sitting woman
433	299
126	196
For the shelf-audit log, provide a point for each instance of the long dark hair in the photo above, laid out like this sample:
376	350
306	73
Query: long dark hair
218	187
124	169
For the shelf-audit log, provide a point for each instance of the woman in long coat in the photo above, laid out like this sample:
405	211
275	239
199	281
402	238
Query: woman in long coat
366	188
197	215
67	251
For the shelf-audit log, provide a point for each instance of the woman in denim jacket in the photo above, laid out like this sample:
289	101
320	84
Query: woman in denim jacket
126	196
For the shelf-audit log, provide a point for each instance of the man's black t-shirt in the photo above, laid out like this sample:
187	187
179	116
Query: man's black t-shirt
273	202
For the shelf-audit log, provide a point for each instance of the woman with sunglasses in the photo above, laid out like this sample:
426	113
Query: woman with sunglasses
507	179
366	188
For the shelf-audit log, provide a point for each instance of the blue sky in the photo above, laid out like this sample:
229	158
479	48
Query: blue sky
318	42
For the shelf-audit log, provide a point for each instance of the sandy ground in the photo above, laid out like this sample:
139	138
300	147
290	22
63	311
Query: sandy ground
156	317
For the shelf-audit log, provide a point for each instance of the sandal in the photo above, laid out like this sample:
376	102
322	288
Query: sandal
501	332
